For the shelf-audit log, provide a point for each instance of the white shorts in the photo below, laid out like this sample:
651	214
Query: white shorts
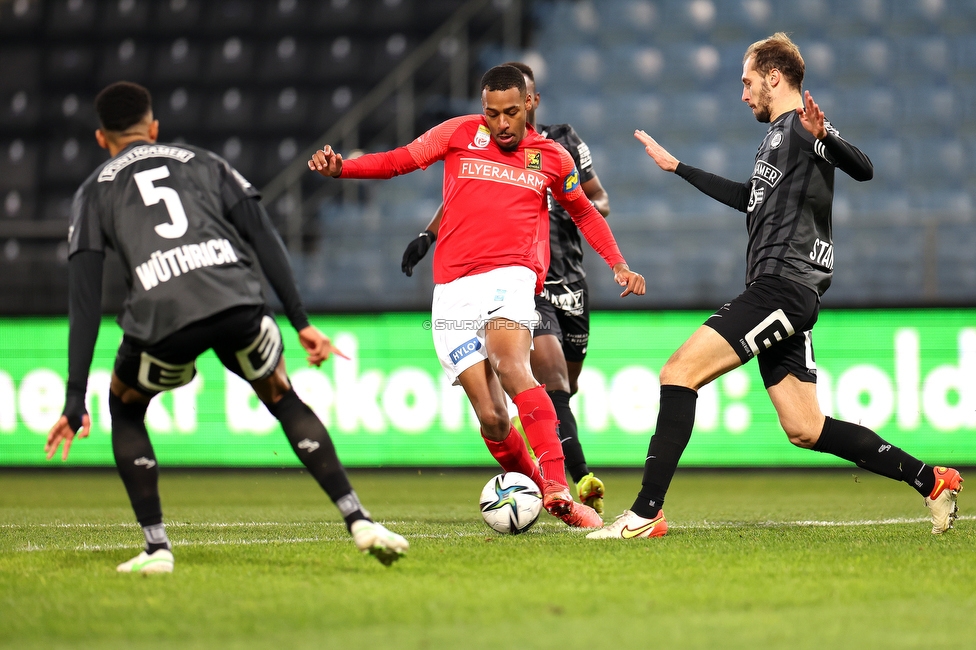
461	309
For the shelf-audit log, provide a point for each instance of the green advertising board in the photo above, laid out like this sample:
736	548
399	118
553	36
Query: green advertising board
908	374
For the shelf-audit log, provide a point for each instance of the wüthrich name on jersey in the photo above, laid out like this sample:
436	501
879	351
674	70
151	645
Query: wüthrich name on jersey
162	266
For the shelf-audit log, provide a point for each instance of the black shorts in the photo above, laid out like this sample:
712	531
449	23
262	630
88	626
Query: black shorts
564	312
774	316
246	339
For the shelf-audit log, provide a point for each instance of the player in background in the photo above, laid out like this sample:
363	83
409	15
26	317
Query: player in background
188	229
560	340
789	264
490	263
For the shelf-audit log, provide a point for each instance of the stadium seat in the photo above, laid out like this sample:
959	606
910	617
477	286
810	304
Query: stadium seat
75	112
274	156
690	65
631	22
68	161
242	154
937	162
19	110
865	59
70	65
332	104
392	15
288	109
17	204
179	112
387	54
743	20
224	17
434	13
286	16
230	60
925	58
71	17
127	17
56	205
337	16
178	61
862	111
688	19
177	16
929	109
127	60
20	68
18	165
340	59
20	17
231	110
285	59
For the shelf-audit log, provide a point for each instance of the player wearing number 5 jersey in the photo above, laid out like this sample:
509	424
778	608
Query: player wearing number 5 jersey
188	229
789	264
491	260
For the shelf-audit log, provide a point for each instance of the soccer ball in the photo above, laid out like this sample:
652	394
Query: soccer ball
511	503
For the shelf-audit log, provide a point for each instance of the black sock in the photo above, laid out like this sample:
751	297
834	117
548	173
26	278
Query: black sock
575	461
868	450
314	448
675	421
136	461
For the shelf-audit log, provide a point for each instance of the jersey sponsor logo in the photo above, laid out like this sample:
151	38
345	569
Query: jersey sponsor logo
481	138
142	152
533	159
487	170
163	266
773	329
569	301
463	350
159	375
767	173
822	254
571	182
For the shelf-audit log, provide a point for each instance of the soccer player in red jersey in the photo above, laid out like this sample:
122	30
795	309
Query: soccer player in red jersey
491	260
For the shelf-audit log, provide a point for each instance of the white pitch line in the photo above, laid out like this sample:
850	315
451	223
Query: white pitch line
706	525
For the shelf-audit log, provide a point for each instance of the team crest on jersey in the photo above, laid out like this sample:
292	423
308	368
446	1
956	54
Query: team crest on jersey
482	137
776	140
571	182
533	159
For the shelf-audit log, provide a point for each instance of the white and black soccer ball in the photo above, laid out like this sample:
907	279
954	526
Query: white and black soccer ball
511	503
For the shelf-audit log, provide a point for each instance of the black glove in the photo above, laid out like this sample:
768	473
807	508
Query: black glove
74	409
416	251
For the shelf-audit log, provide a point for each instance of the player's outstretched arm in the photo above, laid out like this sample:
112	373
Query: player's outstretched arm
326	162
658	154
416	249
848	158
318	346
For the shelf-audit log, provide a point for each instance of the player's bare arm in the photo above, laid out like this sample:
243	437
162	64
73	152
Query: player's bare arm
811	117
318	346
633	282
61	432
659	154
595	192
326	162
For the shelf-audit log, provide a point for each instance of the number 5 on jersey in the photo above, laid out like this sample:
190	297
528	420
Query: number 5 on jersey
151	195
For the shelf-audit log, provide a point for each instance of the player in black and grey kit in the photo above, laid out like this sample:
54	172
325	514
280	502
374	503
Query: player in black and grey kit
790	262
560	341
188	229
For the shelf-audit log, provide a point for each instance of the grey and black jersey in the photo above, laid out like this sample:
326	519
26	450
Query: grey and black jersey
565	246
162	208
788	200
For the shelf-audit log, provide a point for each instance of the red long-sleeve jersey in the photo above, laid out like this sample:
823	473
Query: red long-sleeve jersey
495	209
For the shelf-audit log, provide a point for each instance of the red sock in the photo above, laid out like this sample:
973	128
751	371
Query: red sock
538	417
512	454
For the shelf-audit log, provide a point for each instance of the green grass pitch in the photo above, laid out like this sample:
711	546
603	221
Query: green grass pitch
800	559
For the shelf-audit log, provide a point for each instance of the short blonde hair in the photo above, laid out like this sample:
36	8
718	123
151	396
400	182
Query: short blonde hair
780	53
